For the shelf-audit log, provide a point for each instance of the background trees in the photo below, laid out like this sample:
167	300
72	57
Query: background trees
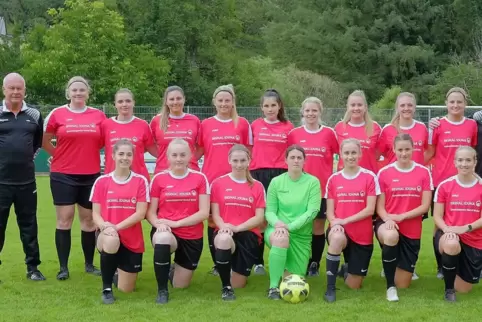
306	47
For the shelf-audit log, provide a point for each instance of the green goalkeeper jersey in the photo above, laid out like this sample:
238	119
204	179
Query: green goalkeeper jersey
296	203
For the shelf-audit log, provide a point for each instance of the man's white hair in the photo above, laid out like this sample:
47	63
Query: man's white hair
13	76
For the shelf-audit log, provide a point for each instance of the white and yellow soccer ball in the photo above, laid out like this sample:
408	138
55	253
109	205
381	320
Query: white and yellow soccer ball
294	289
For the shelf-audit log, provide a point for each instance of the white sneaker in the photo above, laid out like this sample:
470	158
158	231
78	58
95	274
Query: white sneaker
392	295
382	273
259	270
415	276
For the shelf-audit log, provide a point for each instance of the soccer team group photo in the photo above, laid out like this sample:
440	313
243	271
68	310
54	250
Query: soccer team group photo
271	185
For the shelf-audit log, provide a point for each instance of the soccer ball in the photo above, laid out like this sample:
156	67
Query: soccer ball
294	289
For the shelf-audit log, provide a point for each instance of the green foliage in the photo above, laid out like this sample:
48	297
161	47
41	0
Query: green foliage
387	101
88	39
468	76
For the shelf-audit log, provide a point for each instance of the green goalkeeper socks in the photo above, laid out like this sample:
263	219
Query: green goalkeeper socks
277	264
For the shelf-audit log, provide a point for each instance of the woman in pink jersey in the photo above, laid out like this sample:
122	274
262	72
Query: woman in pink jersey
270	141
458	217
357	124
119	205
173	123
237	205
75	167
406	193
320	144
218	134
403	122
179	205
351	196
453	131
126	126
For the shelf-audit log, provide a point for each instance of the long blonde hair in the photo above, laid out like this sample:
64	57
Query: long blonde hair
396	118
366	117
164	121
240	147
316	101
230	89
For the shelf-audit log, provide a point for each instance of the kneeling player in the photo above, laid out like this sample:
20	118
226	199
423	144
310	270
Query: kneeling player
237	206
293	202
406	194
119	202
351	199
457	214
179	205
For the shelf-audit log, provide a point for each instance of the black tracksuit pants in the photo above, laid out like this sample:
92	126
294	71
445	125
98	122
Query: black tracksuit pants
24	200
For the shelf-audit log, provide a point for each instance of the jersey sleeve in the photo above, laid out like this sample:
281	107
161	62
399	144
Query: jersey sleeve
259	196
440	194
427	183
50	123
335	148
381	181
203	188
313	207
373	187
155	188
382	142
200	140
143	191
96	194
153	126
329	191
291	137
425	138
271	213
148	137
215	192
433	135
247	133
474	136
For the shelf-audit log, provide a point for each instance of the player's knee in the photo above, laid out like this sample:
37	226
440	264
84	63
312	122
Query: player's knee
126	288
65	220
390	237
451	247
110	244
462	286
223	241
162	238
337	239
279	241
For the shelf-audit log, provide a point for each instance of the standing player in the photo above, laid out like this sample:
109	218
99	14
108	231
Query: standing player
74	169
119	201
357	124
351	196
403	122
237	205
293	202
126	125
458	217
21	131
179	205
320	144
406	193
454	130
270	141
218	134
173	123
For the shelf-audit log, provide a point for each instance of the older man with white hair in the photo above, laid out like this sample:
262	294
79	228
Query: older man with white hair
21	131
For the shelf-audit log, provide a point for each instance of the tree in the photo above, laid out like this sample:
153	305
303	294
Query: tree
88	39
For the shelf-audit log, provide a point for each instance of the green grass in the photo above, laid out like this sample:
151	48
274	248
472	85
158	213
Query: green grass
79	297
